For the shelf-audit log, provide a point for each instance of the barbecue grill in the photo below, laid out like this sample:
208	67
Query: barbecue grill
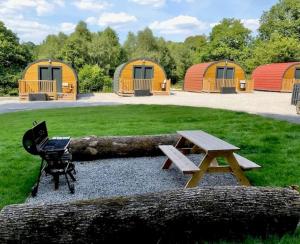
56	158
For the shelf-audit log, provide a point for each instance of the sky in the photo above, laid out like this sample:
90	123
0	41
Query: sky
174	20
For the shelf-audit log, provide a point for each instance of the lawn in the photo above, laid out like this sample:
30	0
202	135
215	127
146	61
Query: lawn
271	143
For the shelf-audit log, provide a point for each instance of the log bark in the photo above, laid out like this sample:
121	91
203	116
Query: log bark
92	147
180	216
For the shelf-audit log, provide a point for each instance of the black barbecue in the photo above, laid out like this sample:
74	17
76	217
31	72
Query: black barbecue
55	155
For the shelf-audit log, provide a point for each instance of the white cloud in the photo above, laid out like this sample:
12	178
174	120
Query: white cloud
252	24
154	3
92	5
182	24
112	19
67	27
41	7
28	30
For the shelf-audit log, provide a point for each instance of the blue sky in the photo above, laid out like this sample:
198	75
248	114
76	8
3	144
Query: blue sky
174	20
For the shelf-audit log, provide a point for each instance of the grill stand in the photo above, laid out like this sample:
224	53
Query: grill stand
56	165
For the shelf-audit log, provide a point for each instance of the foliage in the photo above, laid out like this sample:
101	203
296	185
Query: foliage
52	46
277	41
105	50
75	49
93	79
227	40
197	46
283	18
146	45
182	58
13	58
276	50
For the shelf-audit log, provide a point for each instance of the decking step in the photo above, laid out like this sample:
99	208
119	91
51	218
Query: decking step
180	160
245	163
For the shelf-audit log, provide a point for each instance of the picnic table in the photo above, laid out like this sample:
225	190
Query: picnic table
213	148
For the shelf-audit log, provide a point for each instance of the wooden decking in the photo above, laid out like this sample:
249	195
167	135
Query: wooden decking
48	87
215	85
127	87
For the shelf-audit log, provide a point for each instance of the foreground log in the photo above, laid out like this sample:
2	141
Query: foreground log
90	148
168	217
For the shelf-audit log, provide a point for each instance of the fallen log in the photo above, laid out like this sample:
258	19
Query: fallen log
180	216
92	147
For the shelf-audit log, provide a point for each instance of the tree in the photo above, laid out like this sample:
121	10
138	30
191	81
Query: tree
52	46
105	50
75	49
283	18
181	55
196	46
92	79
146	45
227	40
278	49
130	45
13	58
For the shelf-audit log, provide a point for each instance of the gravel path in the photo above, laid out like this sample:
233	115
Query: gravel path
270	104
121	177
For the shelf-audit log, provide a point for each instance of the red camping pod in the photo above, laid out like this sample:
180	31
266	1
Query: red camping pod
278	77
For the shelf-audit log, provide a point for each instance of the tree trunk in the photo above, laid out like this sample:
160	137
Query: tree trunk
90	148
173	216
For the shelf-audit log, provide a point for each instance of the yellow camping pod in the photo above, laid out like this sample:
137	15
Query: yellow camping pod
141	77
54	79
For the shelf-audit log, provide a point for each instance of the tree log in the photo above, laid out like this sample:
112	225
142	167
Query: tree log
91	148
180	216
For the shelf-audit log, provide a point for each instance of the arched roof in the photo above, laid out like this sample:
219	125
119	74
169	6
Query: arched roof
120	68
269	76
52	60
200	69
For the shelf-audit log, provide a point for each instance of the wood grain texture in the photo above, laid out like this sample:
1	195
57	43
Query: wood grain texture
206	141
197	73
92	147
185	165
178	216
158	72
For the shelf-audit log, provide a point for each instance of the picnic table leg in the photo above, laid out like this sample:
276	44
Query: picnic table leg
237	171
203	166
179	144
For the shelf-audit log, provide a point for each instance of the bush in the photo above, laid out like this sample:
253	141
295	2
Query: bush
13	92
93	79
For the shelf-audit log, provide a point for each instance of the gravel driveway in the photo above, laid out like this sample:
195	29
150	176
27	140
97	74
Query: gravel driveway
271	104
122	177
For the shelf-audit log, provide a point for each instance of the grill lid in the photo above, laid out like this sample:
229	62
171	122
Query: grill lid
28	142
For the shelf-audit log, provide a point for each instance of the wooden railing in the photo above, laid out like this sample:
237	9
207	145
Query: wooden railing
288	84
128	86
37	86
215	85
142	84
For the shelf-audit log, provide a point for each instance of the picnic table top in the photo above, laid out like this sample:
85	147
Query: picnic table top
206	141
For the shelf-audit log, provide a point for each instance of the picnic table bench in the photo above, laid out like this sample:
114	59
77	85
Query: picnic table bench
212	147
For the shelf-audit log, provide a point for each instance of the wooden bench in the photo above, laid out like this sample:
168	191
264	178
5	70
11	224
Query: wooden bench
245	163
213	148
182	162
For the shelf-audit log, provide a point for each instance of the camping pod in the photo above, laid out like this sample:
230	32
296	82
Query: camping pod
141	77
48	79
278	77
220	76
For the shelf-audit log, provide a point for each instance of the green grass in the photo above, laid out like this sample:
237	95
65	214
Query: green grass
272	144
